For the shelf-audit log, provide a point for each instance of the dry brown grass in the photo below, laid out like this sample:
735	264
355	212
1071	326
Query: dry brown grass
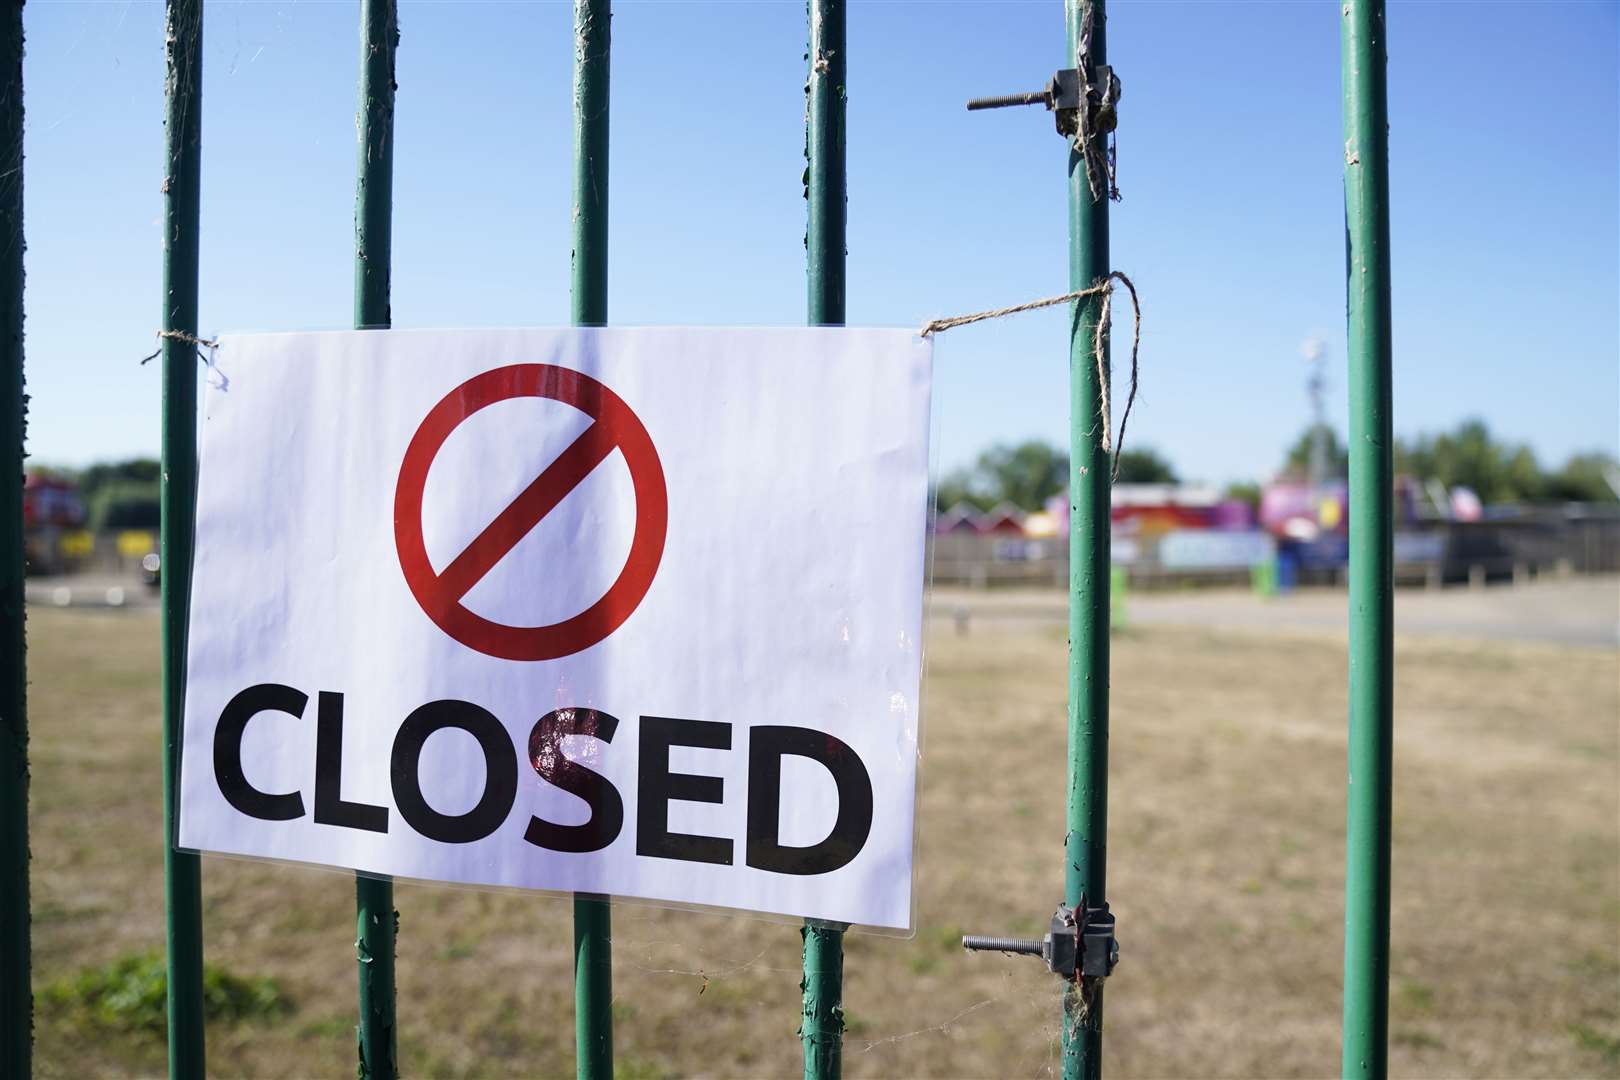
1226	872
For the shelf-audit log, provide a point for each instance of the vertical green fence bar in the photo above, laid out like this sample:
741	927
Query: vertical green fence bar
826	185
821	1027
182	181
16	997
593	40
1372	653
376	921
1089	576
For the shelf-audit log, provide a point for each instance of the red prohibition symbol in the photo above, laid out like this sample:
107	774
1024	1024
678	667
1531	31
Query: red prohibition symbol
614	427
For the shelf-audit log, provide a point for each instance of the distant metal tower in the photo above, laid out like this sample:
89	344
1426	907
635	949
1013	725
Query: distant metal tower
1320	464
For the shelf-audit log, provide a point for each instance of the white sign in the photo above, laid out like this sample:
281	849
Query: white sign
631	612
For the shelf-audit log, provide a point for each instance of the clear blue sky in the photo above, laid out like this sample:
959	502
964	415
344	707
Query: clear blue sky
1506	200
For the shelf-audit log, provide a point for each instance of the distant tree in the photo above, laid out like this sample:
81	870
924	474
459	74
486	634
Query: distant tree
1243	492
1469	456
1503	472
121	494
1521	477
124	504
1585	478
1025	475
1031	472
102	474
1145	466
1298	461
958	486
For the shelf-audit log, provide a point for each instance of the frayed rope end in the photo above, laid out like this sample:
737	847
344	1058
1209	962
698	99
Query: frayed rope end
180	335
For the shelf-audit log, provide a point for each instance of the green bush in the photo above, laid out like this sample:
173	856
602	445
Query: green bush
124	505
131	993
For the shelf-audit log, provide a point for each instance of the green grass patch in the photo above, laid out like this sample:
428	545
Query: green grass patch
332	1027
1416	1040
131	994
634	1068
1415	996
933	946
1588	1038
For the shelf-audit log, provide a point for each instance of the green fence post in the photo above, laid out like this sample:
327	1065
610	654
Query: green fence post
1372	654
593	40
376	921
826	181
1089	566
182	181
16	996
821	1028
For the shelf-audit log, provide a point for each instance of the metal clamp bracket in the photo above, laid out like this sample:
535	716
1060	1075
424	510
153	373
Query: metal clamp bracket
1062	97
1072	947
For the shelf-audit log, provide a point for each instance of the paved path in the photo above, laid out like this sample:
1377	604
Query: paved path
1573	611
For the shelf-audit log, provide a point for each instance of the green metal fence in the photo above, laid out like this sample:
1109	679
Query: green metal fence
16	1005
821	1031
821	1027
1372	554
593	30
374	917
1090	568
182	184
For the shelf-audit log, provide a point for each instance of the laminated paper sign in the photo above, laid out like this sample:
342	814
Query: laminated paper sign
633	612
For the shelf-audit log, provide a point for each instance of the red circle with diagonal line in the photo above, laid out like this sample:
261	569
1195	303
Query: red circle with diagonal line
614	427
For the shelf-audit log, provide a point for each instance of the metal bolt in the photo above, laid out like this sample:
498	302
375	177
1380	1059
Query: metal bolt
1038	97
979	943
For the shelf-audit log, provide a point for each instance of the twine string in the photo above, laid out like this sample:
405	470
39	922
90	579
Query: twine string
1084	143
1099	346
182	336
1101	160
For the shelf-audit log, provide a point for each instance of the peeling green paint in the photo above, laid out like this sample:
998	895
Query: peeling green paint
821	1027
